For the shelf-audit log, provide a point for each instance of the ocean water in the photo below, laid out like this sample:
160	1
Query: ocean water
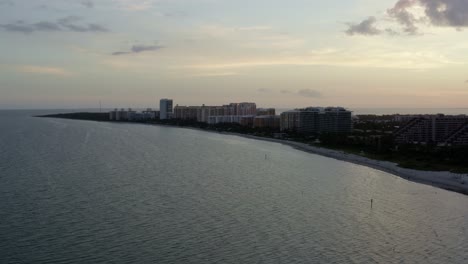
90	192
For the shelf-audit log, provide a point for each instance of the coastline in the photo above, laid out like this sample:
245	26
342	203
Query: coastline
440	179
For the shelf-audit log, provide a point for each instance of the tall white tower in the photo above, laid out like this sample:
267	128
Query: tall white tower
165	109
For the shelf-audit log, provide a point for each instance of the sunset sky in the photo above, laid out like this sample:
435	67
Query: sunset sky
131	53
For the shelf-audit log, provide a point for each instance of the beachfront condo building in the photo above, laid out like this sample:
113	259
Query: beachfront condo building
266	121
315	120
231	113
434	129
165	109
186	112
266	111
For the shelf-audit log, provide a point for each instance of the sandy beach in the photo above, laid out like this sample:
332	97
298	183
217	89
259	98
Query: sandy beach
441	179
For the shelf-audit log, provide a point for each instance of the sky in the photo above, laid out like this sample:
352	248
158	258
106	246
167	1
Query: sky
285	54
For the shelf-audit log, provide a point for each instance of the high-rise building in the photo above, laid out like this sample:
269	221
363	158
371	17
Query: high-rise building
187	112
289	121
437	129
266	121
266	111
335	120
165	109
317	120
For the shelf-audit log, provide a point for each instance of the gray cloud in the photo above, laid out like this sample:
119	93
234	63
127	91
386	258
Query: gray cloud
440	13
141	48
46	26
63	24
87	3
70	23
18	27
366	27
404	17
466	81
7	2
263	90
138	49
391	32
304	92
309	93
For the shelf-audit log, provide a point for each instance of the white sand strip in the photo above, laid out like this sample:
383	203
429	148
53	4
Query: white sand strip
441	179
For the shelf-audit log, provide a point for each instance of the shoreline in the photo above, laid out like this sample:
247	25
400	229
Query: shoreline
439	179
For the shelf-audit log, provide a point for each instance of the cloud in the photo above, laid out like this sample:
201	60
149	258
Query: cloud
7	3
263	90
18	27
45	70
87	3
396	59
214	74
132	5
309	93
404	17
304	92
391	32
366	27
70	23
139	49
411	14
62	24
466	81
441	13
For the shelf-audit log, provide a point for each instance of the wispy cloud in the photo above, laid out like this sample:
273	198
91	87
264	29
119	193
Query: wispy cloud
366	27
138	49
7	3
45	70
63	24
442	13
135	5
398	59
257	36
263	90
309	93
87	3
411	14
214	74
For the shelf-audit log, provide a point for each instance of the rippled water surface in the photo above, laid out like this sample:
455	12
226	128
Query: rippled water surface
89	192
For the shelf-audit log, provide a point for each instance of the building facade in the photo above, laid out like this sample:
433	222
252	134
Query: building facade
289	121
187	112
266	121
315	120
434	129
266	111
165	109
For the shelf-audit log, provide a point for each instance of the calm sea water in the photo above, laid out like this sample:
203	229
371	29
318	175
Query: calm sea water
89	192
